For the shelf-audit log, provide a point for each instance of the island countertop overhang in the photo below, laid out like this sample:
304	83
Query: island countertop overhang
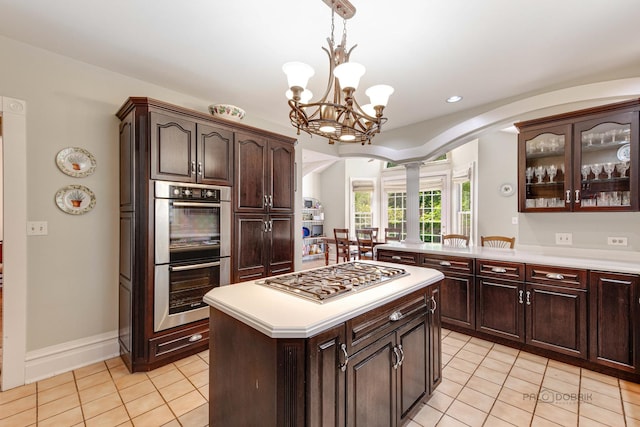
280	315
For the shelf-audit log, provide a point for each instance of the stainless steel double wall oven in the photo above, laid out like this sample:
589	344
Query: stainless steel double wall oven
192	249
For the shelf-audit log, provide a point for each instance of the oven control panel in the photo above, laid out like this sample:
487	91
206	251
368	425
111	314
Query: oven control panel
189	191
182	192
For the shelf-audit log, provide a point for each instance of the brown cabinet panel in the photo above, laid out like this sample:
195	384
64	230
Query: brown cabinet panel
280	244
251	175
215	155
400	257
435	336
614	320
448	264
500	308
250	252
556	276
173	147
500	269
414	379
170	346
281	162
127	163
556	319
458	300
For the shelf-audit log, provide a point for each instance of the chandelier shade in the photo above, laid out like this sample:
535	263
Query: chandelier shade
337	115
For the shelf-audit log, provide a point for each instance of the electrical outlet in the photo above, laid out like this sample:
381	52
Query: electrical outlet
514	220
617	241
37	228
564	239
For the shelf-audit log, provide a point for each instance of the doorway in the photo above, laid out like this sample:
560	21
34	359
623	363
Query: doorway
14	289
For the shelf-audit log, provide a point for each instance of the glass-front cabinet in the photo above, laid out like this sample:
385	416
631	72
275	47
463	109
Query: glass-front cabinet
581	161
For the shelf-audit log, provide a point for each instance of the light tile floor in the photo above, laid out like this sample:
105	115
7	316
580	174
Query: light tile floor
484	384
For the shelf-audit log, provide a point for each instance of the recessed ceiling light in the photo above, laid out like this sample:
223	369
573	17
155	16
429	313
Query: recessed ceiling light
454	98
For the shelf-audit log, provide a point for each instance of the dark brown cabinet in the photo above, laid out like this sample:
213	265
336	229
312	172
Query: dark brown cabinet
374	370
264	246
556	309
500	299
615	320
264	174
457	290
185	150
263	188
585	160
161	141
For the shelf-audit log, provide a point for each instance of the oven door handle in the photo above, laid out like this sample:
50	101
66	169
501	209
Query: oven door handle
196	204
194	266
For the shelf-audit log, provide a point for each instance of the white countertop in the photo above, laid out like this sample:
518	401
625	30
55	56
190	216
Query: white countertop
278	314
628	262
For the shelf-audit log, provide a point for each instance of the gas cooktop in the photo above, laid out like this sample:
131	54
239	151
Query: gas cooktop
329	282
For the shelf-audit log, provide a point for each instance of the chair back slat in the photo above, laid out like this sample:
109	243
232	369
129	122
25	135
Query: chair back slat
392	234
498	241
365	240
455	240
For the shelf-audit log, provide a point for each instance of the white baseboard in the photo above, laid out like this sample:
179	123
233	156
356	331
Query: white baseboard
60	358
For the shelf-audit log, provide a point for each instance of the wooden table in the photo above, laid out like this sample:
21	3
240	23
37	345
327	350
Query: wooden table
332	241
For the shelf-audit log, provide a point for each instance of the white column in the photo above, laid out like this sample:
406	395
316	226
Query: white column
413	208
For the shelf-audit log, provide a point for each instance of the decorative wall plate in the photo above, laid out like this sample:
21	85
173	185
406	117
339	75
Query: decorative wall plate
624	153
76	162
506	189
75	199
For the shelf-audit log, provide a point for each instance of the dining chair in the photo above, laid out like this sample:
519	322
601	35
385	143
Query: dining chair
392	234
498	241
343	245
374	230
455	240
365	239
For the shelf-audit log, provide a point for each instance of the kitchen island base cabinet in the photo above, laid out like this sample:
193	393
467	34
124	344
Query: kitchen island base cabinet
328	379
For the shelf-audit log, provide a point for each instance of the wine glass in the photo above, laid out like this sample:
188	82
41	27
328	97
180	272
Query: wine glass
529	174
552	171
622	168
585	171
596	168
609	168
539	171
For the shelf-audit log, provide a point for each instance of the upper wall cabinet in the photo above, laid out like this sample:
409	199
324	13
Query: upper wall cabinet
585	160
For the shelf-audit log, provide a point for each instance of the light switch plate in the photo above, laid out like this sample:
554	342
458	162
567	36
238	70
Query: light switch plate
37	228
564	239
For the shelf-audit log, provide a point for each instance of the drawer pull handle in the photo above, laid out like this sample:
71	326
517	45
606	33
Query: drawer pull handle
520	293
568	199
528	297
395	316
578	195
555	276
435	305
396	257
401	354
343	366
445	263
195	337
498	269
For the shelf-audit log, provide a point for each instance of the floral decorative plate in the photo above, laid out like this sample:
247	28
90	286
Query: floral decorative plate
76	162
75	199
624	153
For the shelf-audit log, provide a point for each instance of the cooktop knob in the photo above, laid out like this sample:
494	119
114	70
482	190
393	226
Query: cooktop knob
176	191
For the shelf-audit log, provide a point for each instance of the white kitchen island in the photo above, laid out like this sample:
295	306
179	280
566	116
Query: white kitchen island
369	357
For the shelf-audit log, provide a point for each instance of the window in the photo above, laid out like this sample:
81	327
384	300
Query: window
463	201
362	202
430	205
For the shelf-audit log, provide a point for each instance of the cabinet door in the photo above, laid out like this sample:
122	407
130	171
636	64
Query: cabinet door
606	163
499	309
280	241
325	378
251	173
173	148
544	169
413	381
281	177
371	385
556	319
250	251
458	301
435	336
127	163
214	155
614	317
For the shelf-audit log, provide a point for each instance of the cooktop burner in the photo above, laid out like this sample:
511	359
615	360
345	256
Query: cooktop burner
332	281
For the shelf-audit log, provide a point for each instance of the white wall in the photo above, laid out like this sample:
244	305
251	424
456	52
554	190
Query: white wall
73	271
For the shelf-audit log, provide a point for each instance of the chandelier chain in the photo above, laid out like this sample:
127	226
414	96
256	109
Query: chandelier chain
333	26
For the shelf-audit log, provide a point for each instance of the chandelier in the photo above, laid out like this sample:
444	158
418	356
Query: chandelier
337	116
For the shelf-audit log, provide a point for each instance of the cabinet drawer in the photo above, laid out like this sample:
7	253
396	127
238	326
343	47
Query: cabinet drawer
500	269
561	276
448	264
177	344
409	258
366	328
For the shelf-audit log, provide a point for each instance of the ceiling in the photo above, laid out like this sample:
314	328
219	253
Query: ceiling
487	51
